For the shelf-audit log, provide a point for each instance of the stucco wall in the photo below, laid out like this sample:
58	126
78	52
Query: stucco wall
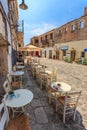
79	46
47	49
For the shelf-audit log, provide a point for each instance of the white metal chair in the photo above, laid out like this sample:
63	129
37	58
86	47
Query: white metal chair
7	87
4	116
67	104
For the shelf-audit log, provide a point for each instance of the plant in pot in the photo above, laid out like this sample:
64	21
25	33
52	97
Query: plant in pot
59	84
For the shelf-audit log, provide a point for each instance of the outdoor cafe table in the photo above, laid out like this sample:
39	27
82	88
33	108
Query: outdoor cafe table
21	98
17	74
61	89
19	63
20	67
48	72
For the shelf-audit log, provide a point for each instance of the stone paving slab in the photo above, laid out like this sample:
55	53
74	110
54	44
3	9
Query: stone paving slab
42	116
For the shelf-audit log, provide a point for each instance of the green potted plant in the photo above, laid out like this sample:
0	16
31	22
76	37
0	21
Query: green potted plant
58	84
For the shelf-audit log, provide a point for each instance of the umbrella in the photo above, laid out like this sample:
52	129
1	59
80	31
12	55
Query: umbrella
33	48
30	48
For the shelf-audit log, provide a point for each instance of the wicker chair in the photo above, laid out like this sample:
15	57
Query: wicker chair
67	104
51	78
43	79
14	84
17	123
52	94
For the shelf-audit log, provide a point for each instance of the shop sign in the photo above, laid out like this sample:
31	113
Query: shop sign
64	47
85	49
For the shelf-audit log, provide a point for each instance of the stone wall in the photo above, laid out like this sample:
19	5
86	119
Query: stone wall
72	31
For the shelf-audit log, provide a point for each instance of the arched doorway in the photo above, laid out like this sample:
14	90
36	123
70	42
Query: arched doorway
45	53
73	54
57	54
50	54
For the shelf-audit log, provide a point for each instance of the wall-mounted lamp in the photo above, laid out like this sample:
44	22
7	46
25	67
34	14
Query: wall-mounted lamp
23	5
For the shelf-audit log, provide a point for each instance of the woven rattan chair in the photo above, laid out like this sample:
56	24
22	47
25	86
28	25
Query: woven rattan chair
67	104
19	123
43	79
14	84
16	123
52	94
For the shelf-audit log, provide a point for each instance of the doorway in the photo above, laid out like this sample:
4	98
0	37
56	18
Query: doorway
73	54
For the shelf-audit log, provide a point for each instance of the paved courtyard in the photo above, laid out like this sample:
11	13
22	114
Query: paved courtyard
42	116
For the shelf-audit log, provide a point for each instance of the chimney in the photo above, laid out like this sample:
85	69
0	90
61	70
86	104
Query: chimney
85	11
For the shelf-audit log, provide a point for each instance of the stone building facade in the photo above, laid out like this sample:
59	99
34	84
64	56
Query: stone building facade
68	40
46	41
5	40
20	39
13	20
9	37
71	38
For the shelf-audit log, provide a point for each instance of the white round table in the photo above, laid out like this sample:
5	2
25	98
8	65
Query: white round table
20	67
21	98
17	73
48	71
63	88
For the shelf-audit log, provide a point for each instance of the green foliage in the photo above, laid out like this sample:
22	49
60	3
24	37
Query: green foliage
84	61
69	60
78	60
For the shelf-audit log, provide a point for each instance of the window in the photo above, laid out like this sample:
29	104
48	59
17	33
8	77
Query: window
51	36
64	52
60	32
41	39
73	28
66	29
46	37
82	54
82	24
19	45
36	41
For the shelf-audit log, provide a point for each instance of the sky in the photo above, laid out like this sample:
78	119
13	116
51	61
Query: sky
45	15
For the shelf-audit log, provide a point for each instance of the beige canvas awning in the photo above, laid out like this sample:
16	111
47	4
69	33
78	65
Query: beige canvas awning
30	48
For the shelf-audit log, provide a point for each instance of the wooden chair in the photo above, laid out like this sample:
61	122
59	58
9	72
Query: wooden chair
14	68
38	71
17	123
14	84
43	79
29	59
51	78
54	74
7	87
52	94
67	104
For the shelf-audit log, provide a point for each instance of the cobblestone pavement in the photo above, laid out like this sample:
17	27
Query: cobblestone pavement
42	115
